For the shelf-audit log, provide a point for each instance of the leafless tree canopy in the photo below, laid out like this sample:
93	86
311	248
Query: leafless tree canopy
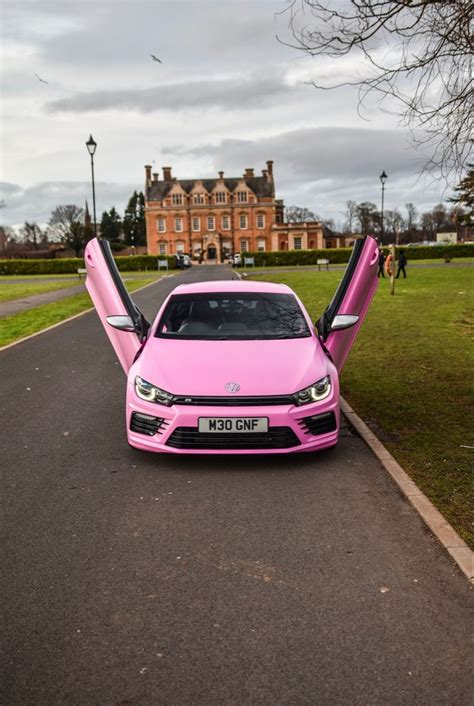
299	214
415	51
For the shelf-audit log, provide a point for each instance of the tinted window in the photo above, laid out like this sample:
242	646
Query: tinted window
232	315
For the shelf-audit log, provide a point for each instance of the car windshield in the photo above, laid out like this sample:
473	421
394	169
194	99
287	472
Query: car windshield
232	316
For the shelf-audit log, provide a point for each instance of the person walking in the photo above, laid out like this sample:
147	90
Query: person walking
402	261
381	263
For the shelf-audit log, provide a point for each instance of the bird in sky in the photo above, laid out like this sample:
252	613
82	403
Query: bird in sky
155	58
40	79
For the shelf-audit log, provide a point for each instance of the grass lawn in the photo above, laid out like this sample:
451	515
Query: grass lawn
299	268
132	274
27	322
409	376
26	289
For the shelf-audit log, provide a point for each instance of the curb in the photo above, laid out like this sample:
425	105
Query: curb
70	318
439	526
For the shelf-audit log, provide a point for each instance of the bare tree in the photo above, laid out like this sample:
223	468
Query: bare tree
417	52
66	224
368	218
299	214
350	215
33	234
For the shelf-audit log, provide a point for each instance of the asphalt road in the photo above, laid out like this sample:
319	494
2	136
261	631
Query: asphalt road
142	579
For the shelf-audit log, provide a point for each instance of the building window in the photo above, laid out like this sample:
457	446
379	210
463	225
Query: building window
162	248
242	197
179	246
297	243
176	199
211	223
196	223
220	197
199	198
178	225
161	225
225	222
244	245
261	245
243	221
260	220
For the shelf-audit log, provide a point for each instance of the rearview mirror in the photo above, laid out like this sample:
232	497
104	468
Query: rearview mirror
122	323
342	321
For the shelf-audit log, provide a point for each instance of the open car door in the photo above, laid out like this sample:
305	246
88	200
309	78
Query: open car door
126	328
339	324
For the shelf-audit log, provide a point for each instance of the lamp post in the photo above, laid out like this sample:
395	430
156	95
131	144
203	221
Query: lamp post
91	148
383	179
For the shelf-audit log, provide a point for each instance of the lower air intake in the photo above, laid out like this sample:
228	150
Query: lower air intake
146	423
192	438
319	424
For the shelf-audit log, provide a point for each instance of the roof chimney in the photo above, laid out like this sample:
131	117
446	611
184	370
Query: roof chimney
155	176
265	173
167	174
148	174
270	168
221	175
249	173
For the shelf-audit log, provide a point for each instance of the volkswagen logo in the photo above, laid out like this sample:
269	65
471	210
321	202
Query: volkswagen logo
232	386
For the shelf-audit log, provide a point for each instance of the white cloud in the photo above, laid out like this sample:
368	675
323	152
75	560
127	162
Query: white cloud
228	94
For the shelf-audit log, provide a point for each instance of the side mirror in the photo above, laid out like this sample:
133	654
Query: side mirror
342	321
122	323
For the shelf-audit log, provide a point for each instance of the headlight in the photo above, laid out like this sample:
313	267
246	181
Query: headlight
314	393
146	391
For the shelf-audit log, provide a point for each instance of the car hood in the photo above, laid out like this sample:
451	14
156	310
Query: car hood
203	368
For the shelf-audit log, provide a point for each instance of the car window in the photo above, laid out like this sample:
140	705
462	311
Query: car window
233	315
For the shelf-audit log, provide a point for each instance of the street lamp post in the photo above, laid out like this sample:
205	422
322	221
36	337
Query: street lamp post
383	179
91	148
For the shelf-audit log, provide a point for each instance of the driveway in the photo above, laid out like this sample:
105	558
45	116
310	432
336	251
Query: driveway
145	579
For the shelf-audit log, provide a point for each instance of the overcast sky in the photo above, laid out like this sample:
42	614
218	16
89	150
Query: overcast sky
226	96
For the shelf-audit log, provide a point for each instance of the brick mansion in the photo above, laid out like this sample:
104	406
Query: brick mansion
214	218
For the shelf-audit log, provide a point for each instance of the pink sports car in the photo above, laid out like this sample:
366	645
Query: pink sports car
232	366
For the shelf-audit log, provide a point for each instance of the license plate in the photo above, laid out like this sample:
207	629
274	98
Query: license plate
233	424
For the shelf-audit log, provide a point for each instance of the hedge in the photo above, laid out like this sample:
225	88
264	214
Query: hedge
293	257
342	255
70	265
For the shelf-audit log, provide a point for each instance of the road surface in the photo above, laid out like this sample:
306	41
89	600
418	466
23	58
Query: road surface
145	579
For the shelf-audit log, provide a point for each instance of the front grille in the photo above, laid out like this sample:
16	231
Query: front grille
146	424
274	438
318	424
233	401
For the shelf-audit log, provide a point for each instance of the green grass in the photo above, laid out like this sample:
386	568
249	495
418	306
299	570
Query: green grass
17	326
27	289
340	266
409	376
125	275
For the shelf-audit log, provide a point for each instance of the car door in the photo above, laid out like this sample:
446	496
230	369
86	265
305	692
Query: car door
110	298
351	299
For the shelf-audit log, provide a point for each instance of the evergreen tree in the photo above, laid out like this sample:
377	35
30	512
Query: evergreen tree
134	220
465	198
111	225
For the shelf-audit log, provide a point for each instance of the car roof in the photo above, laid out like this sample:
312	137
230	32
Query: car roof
233	285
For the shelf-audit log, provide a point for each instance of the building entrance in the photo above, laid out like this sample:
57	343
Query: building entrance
211	252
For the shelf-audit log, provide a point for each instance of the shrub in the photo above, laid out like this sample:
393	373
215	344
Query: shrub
341	255
70	265
132	263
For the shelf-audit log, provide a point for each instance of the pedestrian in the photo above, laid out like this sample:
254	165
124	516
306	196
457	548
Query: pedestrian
381	263
402	261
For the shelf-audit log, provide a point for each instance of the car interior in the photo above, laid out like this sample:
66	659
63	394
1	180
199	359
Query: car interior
227	316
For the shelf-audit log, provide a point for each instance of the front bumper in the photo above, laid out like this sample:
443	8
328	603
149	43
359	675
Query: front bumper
291	428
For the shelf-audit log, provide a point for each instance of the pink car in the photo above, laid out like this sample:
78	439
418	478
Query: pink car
232	366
